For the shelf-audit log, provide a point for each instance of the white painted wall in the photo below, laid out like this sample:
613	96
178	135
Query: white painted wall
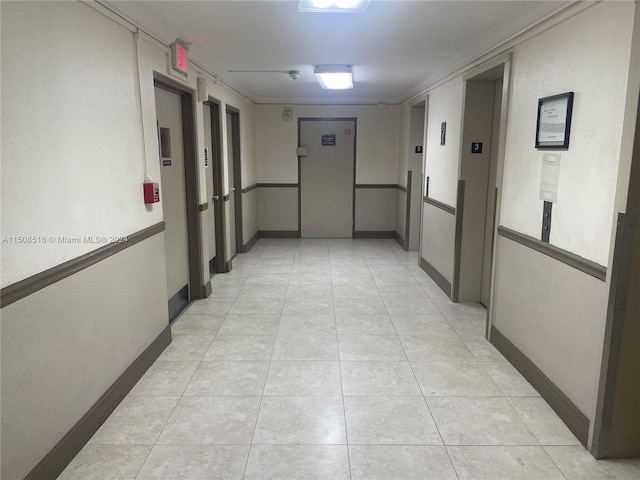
73	151
376	146
568	54
445	105
571	57
72	160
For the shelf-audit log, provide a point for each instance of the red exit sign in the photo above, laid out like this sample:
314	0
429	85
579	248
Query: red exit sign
179	57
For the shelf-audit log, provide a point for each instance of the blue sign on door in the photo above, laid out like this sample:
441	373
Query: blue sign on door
329	139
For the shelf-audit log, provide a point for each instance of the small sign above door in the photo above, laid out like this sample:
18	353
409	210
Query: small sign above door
476	147
329	139
418	148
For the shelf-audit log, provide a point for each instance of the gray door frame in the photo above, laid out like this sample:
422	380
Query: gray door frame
197	287
237	176
221	261
355	144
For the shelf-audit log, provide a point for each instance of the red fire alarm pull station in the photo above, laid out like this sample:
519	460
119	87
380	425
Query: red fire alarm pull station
151	192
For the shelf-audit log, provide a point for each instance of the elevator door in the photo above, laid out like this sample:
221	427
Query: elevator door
232	194
173	195
326	178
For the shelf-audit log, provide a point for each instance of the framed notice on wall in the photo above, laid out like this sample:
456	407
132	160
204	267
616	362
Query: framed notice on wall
554	121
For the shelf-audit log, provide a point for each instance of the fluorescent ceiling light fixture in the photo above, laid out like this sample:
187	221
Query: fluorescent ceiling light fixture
333	6
334	77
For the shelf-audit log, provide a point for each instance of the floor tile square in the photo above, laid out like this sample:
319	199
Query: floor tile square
165	379
298	462
250	348
359	305
305	305
311	420
479	421
263	291
106	462
197	324
210	306
303	378
503	463
195	462
463	379
435	348
378	378
228	378
227	289
250	324
422	325
389	421
268	279
303	291
359	323
136	421
186	348
256	306
543	421
308	324
468	324
386	348
576	463
482	349
306	347
509	380
211	420
406	462
408	305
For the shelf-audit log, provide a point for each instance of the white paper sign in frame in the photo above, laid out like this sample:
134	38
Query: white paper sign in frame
554	121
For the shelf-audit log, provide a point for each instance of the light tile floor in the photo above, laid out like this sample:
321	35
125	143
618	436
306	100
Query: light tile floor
331	360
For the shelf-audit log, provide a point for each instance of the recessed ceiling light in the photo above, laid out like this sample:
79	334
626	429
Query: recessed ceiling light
334	77
340	6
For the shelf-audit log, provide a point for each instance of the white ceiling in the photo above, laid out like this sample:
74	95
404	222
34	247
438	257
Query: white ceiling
396	48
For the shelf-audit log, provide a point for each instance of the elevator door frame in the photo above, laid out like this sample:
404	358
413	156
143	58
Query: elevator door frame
197	288
217	170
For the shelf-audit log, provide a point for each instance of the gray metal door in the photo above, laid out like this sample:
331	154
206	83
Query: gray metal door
326	178
173	193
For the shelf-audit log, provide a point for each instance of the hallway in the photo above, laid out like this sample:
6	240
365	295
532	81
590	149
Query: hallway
334	359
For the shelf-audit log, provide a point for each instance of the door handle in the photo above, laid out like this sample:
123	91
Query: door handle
233	189
215	197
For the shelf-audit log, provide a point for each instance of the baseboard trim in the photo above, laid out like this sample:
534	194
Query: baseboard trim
436	276
399	240
54	462
374	234
23	288
206	290
571	415
278	234
252	241
178	302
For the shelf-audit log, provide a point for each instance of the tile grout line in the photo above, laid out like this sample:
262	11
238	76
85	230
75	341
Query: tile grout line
344	406
255	425
424	399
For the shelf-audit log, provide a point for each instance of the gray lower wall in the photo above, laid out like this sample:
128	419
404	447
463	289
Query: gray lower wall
401	212
249	215
277	208
376	209
554	314
63	347
438	239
